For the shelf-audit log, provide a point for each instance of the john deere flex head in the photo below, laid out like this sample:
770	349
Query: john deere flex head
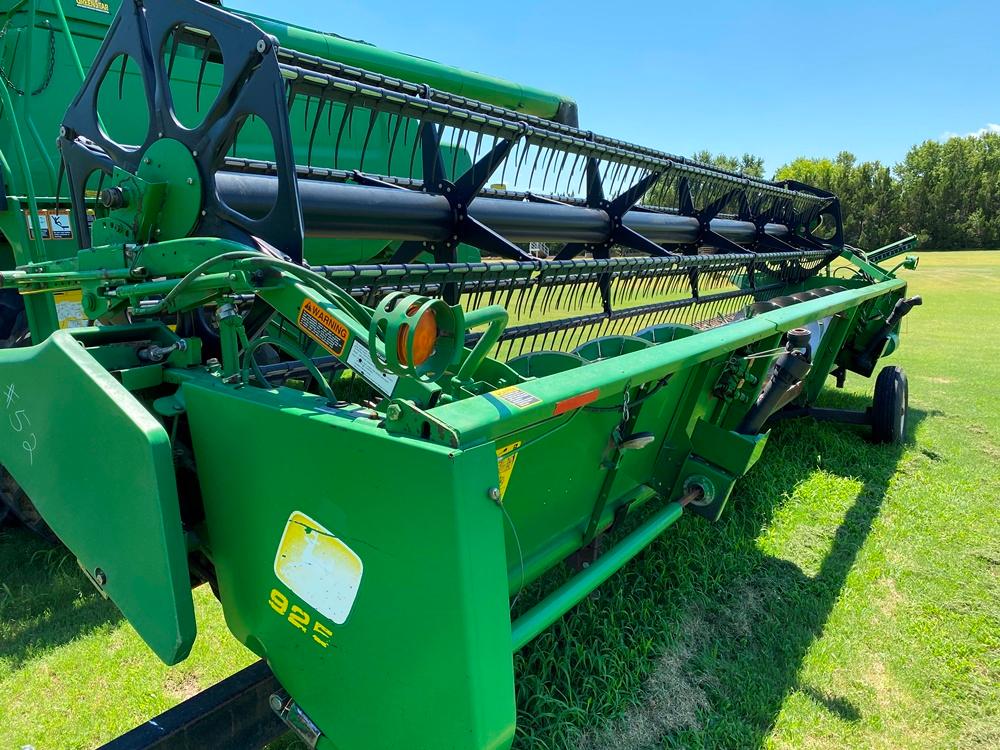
369	344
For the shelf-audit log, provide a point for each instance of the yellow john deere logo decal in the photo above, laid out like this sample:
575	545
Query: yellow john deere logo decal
93	5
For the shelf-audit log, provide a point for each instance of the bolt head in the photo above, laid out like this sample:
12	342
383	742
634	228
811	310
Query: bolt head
261	46
493	493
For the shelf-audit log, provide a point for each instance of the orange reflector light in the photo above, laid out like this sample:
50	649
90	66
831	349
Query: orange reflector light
575	402
425	337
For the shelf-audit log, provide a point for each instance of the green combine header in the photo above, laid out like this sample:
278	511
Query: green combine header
369	344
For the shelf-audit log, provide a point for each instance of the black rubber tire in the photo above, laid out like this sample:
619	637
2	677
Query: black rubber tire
889	405
21	509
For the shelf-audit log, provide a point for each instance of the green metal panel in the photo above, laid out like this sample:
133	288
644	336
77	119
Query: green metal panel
429	629
99	467
482	418
412	68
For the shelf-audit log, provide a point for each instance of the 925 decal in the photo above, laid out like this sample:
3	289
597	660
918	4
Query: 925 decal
300	619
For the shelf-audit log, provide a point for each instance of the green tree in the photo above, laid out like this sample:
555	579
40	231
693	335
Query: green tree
950	192
869	196
748	164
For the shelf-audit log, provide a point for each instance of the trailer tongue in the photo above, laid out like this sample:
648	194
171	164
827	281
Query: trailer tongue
325	373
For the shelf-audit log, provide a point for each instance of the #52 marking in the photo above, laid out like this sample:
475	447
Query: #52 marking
20	422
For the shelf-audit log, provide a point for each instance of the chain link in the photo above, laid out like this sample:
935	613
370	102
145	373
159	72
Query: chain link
48	73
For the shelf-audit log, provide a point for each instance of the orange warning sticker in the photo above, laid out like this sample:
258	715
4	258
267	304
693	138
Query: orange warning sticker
323	328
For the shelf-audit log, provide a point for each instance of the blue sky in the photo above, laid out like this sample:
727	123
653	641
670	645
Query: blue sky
778	79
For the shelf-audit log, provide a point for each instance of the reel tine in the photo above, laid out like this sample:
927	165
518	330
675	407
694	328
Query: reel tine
565	289
548	168
539	283
479	289
521	350
475	153
121	77
572	171
175	43
459	147
315	128
534	165
520	162
560	170
398	120
417	139
344	120
368	134
511	288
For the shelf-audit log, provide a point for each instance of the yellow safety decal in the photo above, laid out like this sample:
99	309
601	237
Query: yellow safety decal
506	458
323	328
516	397
69	309
318	567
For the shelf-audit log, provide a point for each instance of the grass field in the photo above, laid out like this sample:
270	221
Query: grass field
849	598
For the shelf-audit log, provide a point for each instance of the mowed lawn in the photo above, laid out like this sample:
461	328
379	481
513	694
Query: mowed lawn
849	598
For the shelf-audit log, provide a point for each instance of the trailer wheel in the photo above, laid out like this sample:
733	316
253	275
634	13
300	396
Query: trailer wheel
889	405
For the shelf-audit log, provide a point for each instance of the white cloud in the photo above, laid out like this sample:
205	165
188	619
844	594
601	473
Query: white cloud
991	127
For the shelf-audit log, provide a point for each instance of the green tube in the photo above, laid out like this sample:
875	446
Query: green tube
571	593
416	69
22	156
496	317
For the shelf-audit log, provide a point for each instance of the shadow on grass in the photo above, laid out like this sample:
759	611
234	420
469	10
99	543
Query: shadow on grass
700	640
45	600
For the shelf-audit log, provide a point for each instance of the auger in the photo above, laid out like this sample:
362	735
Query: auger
272	324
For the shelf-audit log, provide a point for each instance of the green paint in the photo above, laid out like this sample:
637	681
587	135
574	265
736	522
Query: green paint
66	417
367	551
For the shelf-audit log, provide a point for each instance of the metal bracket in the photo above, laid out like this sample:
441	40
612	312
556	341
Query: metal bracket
290	713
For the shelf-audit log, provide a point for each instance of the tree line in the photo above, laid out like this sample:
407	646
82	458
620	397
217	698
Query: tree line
947	193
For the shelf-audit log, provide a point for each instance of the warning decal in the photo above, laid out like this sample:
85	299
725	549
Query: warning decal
69	310
323	328
43	224
506	458
516	397
59	222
